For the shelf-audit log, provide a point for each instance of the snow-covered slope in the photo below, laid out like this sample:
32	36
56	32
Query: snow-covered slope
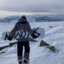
54	35
35	18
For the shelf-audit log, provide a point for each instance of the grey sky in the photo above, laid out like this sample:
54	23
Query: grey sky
32	5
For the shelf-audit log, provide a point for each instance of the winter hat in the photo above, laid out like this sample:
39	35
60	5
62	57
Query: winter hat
23	17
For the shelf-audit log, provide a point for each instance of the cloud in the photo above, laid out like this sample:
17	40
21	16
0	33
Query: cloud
32	5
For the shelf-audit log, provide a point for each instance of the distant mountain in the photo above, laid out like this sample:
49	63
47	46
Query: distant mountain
36	18
9	19
48	18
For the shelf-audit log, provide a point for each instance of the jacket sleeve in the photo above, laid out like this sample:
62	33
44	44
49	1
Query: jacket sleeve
29	30
13	31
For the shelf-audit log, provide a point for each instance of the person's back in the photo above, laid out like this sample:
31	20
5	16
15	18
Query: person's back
24	28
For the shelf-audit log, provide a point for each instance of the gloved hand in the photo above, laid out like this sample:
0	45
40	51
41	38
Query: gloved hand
34	33
9	38
34	36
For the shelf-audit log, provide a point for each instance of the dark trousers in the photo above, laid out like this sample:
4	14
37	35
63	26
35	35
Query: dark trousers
20	49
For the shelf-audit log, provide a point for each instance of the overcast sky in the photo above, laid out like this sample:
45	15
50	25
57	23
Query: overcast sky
32	5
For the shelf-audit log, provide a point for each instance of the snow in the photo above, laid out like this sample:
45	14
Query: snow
39	55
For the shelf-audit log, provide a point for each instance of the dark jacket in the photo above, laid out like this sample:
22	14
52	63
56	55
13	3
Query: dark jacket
24	27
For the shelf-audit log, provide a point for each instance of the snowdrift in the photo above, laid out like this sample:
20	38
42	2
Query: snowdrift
39	55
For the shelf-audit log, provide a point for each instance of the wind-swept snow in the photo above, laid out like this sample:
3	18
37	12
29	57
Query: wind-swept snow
39	55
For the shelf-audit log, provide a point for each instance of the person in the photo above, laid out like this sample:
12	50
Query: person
24	27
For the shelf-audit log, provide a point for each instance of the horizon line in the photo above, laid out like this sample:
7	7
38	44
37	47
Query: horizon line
26	13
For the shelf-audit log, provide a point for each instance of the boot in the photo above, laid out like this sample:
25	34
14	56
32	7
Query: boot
26	58
19	60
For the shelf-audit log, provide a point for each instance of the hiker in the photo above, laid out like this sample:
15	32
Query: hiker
24	27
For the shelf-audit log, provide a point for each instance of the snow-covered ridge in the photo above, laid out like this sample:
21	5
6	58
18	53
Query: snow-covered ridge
9	19
39	55
35	18
54	36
